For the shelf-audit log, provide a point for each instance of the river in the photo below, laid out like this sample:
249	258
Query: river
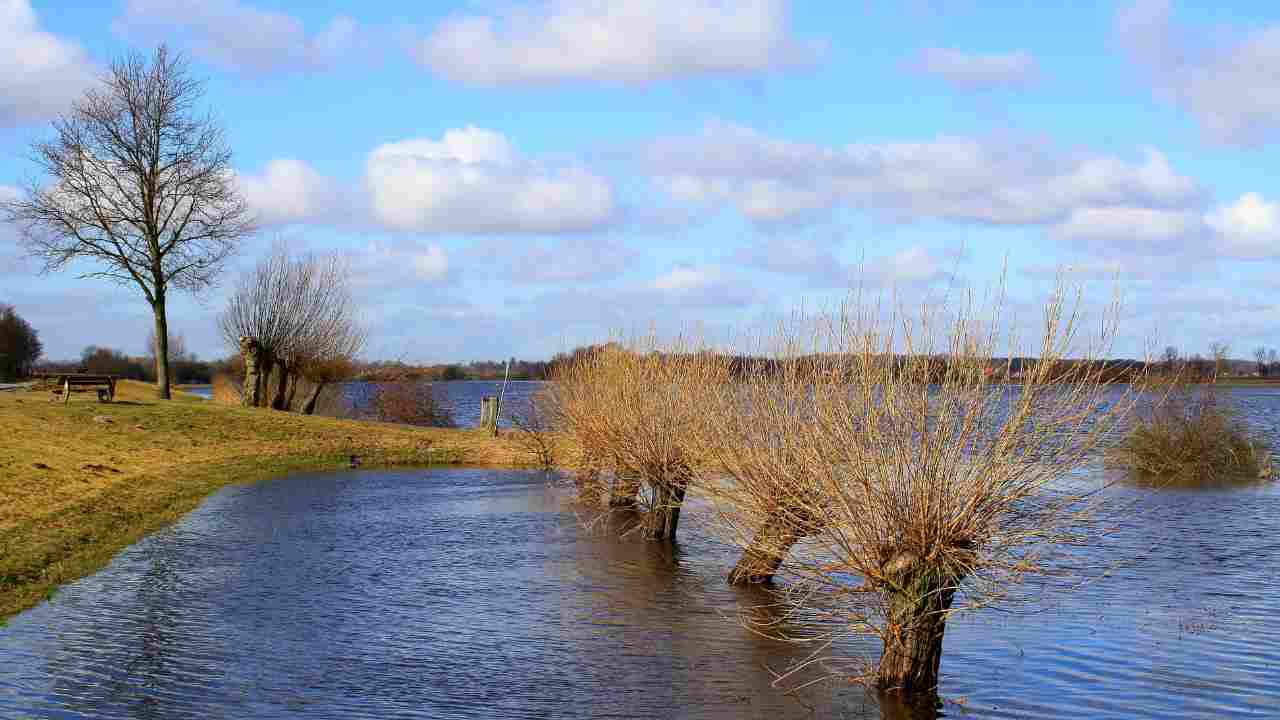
475	593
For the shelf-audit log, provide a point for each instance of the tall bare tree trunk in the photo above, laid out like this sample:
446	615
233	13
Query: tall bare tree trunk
917	606
266	367
162	348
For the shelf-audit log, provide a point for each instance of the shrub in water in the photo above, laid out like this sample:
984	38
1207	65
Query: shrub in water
1190	434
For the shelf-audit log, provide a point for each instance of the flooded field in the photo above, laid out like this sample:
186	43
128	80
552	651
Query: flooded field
476	593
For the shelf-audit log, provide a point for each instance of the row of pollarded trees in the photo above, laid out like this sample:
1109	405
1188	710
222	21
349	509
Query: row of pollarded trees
295	322
881	484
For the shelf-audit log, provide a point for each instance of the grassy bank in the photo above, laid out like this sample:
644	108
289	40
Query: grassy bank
79	482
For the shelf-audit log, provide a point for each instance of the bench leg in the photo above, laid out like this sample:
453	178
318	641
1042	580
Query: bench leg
66	392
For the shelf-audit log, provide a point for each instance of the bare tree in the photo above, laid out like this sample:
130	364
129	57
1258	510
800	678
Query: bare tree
138	185
1169	359
293	318
1219	351
1273	365
1260	355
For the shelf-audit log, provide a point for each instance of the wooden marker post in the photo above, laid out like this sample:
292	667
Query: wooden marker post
489	414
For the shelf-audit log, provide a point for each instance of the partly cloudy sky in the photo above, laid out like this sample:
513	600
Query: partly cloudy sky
519	177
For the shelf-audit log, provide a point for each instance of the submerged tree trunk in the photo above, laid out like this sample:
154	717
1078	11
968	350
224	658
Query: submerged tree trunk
626	489
669	487
761	560
162	349
771	543
664	517
309	403
252	353
917	605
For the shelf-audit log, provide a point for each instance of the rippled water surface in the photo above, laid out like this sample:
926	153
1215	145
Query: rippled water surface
474	593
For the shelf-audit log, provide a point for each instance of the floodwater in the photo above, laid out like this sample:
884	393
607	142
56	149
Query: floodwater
474	593
460	397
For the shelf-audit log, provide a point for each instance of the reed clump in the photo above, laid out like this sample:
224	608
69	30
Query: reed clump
1190	434
637	412
882	465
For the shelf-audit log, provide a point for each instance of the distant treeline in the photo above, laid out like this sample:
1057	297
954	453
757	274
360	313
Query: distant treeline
480	370
185	368
188	369
999	369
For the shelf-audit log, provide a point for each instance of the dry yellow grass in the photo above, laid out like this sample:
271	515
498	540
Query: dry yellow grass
75	489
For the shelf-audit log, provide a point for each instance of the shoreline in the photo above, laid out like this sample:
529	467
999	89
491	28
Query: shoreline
83	481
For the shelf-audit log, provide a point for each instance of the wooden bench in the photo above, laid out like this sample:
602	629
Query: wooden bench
66	383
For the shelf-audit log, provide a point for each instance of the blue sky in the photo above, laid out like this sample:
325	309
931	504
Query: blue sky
516	178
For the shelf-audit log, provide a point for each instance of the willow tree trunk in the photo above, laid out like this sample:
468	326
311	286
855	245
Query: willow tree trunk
664	516
309	403
913	639
293	392
278	400
251	351
761	560
162	348
626	489
266	367
775	538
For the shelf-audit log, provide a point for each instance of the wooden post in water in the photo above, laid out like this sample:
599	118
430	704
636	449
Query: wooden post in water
489	414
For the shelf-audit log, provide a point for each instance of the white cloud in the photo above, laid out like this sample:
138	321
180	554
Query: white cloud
970	72
1226	80
289	191
473	181
949	178
239	36
1247	228
1149	228
632	42
43	74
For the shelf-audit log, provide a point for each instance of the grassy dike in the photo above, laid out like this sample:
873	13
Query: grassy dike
81	481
